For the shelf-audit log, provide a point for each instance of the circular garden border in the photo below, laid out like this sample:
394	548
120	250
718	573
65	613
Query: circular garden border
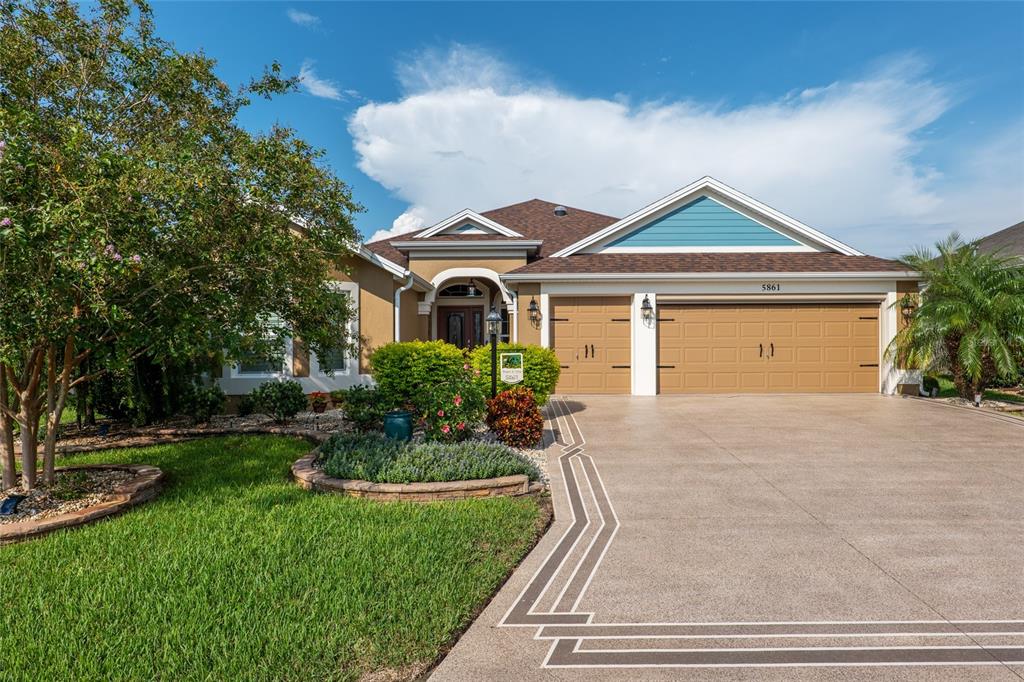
309	477
142	487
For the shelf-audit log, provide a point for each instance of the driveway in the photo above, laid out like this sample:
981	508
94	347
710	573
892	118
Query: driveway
767	537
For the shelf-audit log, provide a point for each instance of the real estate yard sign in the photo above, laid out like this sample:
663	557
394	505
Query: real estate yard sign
511	367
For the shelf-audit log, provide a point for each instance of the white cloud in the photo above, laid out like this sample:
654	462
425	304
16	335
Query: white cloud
301	18
316	86
410	221
842	157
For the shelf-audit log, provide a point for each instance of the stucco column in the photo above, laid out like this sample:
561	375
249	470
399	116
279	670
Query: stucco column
645	346
545	319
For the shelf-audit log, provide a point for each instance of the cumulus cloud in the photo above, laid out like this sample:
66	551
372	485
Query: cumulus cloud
842	157
304	19
316	86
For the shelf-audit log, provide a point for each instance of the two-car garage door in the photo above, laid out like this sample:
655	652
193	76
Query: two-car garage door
768	348
722	348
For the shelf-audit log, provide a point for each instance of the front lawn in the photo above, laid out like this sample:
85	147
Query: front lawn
236	573
948	390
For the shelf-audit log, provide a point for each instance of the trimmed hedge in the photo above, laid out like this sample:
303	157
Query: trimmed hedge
404	371
540	369
374	457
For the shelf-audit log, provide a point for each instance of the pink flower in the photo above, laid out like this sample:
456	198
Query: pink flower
6	222
477	372
461	425
136	258
465	366
446	429
117	257
440	413
458	400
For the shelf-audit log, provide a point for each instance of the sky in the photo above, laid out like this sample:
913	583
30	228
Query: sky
886	126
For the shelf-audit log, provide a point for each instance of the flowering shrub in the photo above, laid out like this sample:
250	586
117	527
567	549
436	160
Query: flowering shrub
514	417
449	410
374	457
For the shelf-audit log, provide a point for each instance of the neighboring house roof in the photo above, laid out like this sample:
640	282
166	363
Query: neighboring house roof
1008	242
665	263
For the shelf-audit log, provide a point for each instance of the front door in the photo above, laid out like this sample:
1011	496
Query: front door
463	327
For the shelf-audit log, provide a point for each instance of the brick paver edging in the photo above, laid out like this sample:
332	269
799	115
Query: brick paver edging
312	478
144	486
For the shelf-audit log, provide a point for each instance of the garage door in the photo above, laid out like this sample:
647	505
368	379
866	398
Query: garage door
590	335
768	349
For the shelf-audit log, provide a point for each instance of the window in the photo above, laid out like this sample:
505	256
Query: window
460	291
337	361
258	364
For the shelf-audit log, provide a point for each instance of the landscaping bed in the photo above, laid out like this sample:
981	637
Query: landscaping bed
374	466
233	572
79	495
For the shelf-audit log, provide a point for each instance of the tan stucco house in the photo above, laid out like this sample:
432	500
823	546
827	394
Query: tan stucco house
706	290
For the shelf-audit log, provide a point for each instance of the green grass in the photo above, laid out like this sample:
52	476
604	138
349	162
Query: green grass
948	390
235	573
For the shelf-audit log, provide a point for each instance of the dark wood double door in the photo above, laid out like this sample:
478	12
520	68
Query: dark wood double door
462	326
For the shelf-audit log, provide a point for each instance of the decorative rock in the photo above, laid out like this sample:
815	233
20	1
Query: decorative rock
144	485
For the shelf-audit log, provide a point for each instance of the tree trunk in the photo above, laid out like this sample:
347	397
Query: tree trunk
28	416
6	434
28	455
56	398
964	386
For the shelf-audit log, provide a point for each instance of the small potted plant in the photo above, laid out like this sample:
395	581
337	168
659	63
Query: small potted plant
319	401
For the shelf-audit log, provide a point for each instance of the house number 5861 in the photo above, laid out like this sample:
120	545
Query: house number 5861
771	286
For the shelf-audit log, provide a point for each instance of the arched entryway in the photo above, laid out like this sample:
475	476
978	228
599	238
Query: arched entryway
460	302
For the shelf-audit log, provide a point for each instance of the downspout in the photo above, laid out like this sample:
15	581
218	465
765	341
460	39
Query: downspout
398	304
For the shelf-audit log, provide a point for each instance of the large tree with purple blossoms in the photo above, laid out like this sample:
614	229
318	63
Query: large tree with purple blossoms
138	217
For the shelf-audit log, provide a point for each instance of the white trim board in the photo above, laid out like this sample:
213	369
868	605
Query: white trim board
470	216
686	194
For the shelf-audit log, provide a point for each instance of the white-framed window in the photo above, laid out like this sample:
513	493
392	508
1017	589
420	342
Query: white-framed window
264	367
338	363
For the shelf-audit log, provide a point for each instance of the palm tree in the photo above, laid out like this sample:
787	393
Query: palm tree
970	322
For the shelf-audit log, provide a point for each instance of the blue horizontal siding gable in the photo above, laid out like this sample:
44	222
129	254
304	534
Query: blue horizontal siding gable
703	222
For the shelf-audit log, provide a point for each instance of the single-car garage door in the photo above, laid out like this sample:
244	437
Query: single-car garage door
590	335
813	348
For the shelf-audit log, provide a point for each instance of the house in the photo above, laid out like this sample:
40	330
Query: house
1008	242
706	290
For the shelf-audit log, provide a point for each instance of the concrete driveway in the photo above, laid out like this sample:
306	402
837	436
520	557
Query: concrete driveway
754	537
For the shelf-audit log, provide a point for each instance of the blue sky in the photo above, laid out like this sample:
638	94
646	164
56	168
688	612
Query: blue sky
886	125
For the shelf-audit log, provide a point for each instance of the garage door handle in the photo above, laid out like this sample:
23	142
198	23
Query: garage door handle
620	366
773	350
666	366
585	351
871	365
559	319
760	350
564	366
592	353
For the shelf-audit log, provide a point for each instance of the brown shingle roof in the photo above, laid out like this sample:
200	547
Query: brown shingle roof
534	219
663	263
1008	242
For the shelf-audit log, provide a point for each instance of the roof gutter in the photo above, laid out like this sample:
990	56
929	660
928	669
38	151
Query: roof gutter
409	281
639	276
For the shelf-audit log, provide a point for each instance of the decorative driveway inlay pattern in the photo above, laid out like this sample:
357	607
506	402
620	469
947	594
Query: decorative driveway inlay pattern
580	640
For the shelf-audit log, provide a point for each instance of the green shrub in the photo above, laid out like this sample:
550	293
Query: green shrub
540	369
202	402
374	457
246	406
363	406
514	417
281	400
404	371
929	383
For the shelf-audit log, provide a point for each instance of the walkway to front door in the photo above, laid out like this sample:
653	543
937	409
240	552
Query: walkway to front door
823	532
